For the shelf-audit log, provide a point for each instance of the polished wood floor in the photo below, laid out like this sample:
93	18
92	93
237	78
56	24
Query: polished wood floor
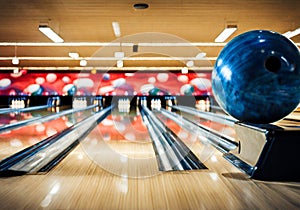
105	173
80	183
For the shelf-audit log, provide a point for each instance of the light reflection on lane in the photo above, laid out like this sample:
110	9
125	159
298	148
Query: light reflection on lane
48	198
13	141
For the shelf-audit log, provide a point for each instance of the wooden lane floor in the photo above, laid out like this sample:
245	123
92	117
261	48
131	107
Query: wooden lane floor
80	182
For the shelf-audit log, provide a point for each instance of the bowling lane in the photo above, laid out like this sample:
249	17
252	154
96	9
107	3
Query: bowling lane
12	141
80	181
121	145
172	153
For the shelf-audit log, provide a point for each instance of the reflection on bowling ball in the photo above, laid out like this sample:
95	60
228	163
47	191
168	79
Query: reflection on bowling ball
256	77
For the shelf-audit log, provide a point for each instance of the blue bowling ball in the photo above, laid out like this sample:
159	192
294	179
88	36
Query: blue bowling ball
256	77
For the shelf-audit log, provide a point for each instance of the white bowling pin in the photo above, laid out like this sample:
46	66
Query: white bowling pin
152	104
119	105
207	103
128	105
81	103
159	103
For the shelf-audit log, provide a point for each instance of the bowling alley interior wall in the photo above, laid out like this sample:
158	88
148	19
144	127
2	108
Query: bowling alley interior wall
40	85
104	83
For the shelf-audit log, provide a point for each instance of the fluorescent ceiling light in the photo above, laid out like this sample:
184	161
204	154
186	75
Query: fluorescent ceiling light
109	58
50	34
230	29
15	61
190	63
184	70
116	28
119	63
111	44
16	71
119	54
73	55
200	55
291	34
83	62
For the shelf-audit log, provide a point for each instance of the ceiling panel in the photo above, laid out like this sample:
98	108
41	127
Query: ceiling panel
91	21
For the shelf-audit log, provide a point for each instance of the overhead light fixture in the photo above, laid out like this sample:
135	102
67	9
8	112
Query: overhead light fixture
290	34
47	31
112	44
184	70
227	32
119	54
15	61
116	28
73	55
190	63
120	63
16	71
200	55
83	62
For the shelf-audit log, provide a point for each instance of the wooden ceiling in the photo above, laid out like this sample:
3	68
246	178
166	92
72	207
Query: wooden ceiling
179	21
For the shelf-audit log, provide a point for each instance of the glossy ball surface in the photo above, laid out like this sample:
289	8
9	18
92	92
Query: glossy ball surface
256	77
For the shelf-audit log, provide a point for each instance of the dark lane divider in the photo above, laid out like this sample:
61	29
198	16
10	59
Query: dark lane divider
171	152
